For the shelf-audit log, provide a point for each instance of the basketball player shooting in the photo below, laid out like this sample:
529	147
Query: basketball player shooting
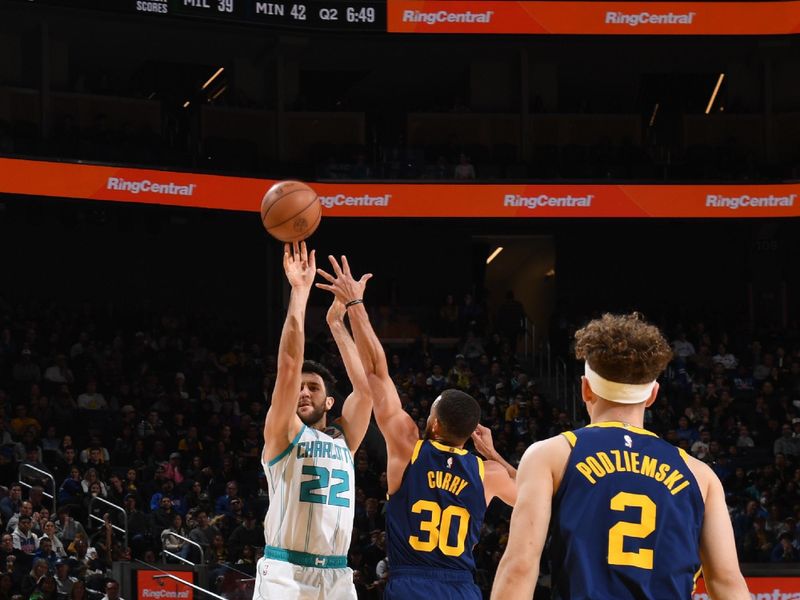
308	462
438	492
631	515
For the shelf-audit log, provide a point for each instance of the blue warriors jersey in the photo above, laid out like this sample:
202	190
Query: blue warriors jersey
626	518
435	518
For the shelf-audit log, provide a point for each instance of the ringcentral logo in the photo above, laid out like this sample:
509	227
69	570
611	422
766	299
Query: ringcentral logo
444	16
365	200
543	200
736	202
147	186
645	18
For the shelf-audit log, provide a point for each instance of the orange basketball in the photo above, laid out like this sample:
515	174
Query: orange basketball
290	211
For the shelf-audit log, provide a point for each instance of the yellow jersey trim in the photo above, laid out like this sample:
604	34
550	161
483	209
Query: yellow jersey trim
683	454
621	425
444	448
481	468
696	577
415	454
570	437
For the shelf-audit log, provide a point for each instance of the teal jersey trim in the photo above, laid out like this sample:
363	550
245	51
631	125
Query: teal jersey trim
289	449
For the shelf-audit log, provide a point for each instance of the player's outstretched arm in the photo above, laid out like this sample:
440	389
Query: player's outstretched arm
396	424
519	568
723	579
358	405
499	475
282	423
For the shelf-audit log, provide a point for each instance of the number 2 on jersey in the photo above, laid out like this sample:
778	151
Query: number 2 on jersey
643	558
438	528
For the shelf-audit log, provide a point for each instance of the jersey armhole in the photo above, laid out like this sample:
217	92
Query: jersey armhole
292	444
571	438
481	467
415	453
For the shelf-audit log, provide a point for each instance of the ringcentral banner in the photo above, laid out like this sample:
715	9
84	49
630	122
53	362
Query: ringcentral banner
151	584
593	18
761	588
501	200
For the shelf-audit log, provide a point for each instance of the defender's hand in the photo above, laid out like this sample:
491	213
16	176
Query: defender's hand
342	284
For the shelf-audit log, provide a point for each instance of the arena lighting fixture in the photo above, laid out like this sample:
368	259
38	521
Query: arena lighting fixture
212	78
714	93
494	254
186	104
219	92
653	116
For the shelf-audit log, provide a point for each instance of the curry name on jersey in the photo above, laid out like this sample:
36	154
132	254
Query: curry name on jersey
434	519
626	518
311	494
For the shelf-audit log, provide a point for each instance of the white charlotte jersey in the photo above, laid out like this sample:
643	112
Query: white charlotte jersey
311	494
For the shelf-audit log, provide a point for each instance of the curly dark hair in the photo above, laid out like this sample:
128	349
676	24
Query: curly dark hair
623	348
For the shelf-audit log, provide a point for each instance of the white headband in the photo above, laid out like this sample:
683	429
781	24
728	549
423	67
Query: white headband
622	393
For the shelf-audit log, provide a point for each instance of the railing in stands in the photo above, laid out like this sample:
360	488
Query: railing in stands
47	474
561	383
117	508
165	552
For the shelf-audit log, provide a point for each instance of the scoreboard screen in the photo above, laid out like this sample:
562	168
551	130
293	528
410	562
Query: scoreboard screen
362	15
471	17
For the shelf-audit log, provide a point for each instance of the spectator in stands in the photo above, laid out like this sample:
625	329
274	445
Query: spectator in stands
64	582
22	422
30	581
203	534
91	477
725	358
171	542
46	589
69	529
249	533
223	503
784	550
682	347
46	552
112	591
10	505
173	468
464	169
787	444
79	591
26	370
49	532
91	399
59	372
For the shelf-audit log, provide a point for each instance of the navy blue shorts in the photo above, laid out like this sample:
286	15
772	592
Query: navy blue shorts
410	583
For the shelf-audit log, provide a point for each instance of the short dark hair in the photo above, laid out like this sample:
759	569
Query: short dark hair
459	414
311	366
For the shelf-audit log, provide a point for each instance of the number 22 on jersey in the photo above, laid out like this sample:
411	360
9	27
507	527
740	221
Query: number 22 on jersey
438	528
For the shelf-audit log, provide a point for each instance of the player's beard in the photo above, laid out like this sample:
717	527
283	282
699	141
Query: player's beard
314	417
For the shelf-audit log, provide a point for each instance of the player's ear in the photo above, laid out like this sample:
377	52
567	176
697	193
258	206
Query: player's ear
653	395
586	390
329	400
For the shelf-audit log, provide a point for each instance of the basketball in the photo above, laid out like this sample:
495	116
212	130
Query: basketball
290	211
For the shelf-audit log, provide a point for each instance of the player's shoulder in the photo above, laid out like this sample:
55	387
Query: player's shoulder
703	474
552	452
